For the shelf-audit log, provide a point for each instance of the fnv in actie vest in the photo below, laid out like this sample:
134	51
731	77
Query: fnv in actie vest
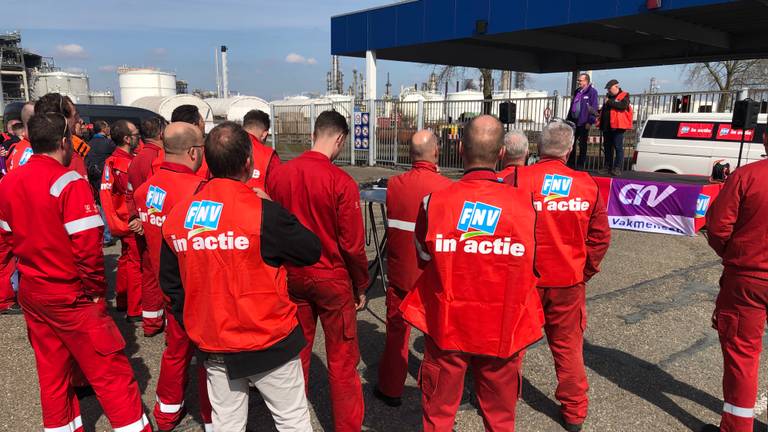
477	294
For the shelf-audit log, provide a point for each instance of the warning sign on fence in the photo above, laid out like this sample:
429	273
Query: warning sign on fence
362	130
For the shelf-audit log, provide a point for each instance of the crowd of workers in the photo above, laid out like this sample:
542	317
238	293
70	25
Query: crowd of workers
234	256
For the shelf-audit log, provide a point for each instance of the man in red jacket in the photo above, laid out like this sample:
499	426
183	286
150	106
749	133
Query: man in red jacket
114	188
516	145
737	230
143	166
326	200
58	103
572	237
174	181
472	316
62	288
22	150
222	265
405	193
265	159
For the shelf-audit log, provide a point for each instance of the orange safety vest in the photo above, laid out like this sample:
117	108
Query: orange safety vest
477	293
80	146
233	300
565	200
622	119
156	198
114	202
262	155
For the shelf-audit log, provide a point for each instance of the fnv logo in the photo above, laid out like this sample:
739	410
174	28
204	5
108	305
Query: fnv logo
702	205
556	186
25	156
202	216
479	217
155	199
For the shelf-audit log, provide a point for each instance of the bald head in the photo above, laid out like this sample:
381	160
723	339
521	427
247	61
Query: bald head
180	137
424	146
482	142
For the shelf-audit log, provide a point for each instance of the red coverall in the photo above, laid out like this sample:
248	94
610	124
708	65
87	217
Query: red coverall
405	193
141	169
114	188
737	223
169	185
472	316
571	241
62	294
20	154
326	200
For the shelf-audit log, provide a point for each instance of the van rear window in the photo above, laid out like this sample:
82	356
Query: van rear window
702	131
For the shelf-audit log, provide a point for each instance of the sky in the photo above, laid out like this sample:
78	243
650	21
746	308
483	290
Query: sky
277	48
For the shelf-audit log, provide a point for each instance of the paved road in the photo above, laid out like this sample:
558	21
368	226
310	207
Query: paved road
653	361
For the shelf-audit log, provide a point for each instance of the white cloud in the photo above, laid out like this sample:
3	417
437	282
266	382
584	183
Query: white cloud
299	59
71	51
107	68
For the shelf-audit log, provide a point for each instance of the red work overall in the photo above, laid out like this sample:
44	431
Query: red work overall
405	194
572	237
737	223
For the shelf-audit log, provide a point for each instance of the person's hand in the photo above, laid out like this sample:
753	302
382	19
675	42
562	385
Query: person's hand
136	227
360	302
263	195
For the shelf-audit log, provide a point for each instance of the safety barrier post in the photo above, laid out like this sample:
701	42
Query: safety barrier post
274	126
420	116
372	132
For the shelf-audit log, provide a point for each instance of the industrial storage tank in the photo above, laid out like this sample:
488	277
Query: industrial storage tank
137	83
102	98
434	109
530	105
165	106
234	108
70	84
467	103
291	115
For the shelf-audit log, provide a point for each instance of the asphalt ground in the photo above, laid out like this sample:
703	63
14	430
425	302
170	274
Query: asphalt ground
653	361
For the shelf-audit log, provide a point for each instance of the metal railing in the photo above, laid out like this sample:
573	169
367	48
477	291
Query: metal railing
393	123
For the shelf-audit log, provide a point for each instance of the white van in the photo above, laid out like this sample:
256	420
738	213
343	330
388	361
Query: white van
691	143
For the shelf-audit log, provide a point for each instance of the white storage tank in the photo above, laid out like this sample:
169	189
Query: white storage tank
137	83
103	98
70	84
164	106
235	108
467	102
434	110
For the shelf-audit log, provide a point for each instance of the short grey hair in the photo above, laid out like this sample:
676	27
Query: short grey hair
516	143
556	139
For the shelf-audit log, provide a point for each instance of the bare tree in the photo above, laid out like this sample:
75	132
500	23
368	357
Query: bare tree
728	75
447	74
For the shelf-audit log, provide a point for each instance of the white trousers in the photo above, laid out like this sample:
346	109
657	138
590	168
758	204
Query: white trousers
282	389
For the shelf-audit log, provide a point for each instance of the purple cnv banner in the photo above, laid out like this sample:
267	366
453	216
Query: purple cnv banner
653	207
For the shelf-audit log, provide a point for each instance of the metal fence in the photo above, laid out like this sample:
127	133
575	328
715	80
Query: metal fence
393	123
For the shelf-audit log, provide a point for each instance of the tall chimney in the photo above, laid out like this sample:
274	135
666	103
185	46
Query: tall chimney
218	76
224	73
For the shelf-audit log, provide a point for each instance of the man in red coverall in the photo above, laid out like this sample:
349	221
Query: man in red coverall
265	159
572	237
737	229
8	304
114	188
405	193
62	289
58	103
174	181
143	166
516	145
326	200
472	316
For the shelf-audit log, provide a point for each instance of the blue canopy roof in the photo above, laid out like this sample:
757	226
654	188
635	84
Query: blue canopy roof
555	35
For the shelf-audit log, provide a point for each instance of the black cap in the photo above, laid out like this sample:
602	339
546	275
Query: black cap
611	83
